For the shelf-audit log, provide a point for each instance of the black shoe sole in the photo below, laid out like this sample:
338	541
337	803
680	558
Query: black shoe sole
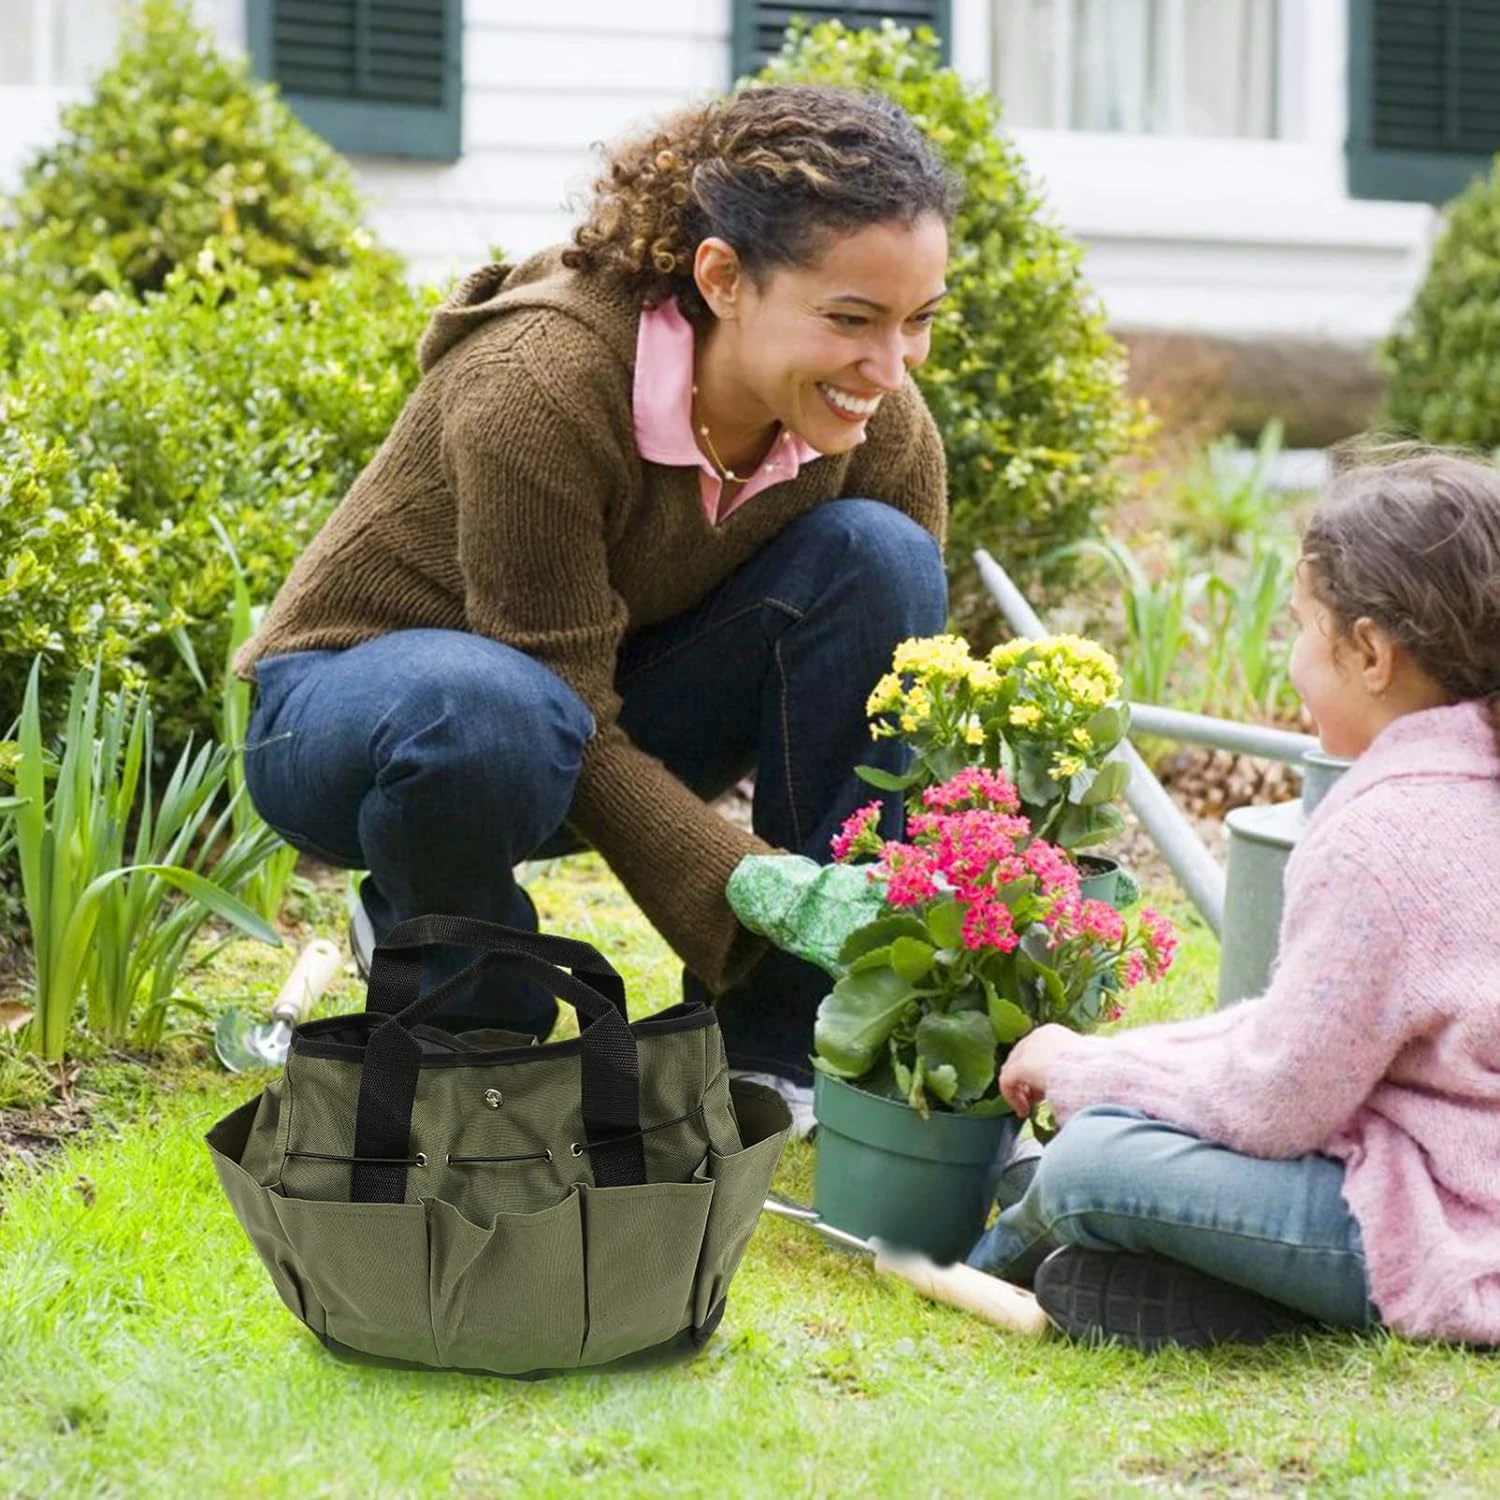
1148	1302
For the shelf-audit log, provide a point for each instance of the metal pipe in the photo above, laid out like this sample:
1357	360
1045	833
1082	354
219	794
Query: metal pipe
1223	734
1166	823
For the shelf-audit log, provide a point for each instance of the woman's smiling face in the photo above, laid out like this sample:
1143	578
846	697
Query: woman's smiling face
817	348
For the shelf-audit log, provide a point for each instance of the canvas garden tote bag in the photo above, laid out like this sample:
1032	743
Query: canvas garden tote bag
462	1202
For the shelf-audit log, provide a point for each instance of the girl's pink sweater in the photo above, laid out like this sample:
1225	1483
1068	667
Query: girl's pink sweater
1378	1039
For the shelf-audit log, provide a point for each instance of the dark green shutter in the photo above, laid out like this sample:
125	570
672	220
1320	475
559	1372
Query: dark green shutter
1424	96
760	28
372	77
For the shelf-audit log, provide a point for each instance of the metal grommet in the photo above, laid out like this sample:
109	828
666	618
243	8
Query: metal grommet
549	1153
421	1158
576	1149
492	1097
447	1158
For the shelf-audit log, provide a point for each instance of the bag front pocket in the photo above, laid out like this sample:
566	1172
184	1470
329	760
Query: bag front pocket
508	1298
641	1247
366	1263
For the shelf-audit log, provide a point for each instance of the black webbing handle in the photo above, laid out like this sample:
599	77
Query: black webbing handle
611	1077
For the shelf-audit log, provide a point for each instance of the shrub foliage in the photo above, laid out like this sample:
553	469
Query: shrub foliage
1024	381
1443	359
177	145
200	331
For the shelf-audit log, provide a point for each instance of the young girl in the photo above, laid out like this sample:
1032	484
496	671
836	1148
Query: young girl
1331	1149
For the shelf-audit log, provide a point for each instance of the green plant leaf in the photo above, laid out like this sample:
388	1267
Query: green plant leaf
945	925
942	1080
1107	785
1106	728
887	781
984	1109
911	958
1008	1021
879	934
876	958
962	1042
857	1016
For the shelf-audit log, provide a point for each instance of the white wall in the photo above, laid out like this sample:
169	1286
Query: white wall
541	84
1248	236
1233	236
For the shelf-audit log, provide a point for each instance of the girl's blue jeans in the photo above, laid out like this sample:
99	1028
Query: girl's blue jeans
1113	1179
439	760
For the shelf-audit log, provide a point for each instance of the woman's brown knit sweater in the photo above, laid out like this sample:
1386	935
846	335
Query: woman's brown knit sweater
510	500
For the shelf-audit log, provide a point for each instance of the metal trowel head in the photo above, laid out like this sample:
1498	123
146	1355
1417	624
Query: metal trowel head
244	1045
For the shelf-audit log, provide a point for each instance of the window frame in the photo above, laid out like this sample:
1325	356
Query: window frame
373	127
742	29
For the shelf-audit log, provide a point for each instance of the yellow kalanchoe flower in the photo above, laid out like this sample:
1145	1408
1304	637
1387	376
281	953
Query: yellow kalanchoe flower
934	655
1025	715
887	696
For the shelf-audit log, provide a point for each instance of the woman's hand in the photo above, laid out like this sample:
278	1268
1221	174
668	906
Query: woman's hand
1028	1065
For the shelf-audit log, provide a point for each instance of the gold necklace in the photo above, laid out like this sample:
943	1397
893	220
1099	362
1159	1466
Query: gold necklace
725	473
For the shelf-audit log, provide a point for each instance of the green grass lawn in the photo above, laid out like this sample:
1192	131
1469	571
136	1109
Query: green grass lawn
143	1350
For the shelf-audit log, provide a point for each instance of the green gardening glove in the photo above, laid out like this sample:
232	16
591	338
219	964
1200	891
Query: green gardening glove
803	907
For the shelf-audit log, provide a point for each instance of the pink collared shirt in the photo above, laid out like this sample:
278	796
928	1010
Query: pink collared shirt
662	404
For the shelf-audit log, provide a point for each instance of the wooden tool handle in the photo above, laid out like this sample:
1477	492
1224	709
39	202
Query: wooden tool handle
970	1291
313	972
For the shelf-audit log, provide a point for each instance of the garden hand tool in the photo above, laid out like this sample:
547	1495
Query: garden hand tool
244	1045
998	1302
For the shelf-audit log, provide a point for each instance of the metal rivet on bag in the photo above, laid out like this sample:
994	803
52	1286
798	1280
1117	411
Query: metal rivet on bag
492	1097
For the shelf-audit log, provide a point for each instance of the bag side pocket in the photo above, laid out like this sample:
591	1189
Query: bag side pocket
741	1180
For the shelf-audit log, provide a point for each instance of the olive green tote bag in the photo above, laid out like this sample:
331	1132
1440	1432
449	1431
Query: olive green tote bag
462	1202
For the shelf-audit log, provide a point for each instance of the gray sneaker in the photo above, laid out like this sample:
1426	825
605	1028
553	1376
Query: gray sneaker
798	1096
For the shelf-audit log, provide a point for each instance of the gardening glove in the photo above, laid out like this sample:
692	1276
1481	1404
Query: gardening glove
803	907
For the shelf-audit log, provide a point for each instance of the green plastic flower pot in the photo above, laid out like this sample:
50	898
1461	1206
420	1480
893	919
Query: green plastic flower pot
884	1171
1106	879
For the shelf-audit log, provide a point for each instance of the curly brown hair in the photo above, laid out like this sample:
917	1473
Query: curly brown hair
771	170
1410	537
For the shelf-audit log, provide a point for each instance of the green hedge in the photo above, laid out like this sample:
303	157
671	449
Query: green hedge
1443	360
1024	381
177	145
196	327
224	396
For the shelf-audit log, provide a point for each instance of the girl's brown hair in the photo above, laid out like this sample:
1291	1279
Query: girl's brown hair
772	171
1410	537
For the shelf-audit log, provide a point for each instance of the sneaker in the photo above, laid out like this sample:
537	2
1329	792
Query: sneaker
1148	1302
798	1096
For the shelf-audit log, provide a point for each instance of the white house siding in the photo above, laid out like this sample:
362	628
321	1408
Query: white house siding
1230	236
542	83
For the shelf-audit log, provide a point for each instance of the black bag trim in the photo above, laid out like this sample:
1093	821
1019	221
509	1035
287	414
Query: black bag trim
308	1040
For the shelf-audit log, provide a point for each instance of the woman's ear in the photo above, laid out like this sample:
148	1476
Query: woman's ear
718	275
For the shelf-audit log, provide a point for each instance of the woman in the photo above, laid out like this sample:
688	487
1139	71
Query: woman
656	515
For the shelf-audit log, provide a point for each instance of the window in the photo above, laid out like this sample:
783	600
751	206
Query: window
1151	67
1424	96
373	77
760	28
52	43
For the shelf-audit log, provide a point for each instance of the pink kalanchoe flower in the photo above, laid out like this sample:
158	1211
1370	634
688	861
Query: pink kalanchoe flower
1161	942
1099	920
988	789
1134	970
987	924
909	875
857	836
1058	874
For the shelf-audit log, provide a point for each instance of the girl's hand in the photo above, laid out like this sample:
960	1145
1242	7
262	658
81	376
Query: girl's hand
1028	1065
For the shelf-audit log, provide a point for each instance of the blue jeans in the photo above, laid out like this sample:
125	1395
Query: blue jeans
1113	1179
439	760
